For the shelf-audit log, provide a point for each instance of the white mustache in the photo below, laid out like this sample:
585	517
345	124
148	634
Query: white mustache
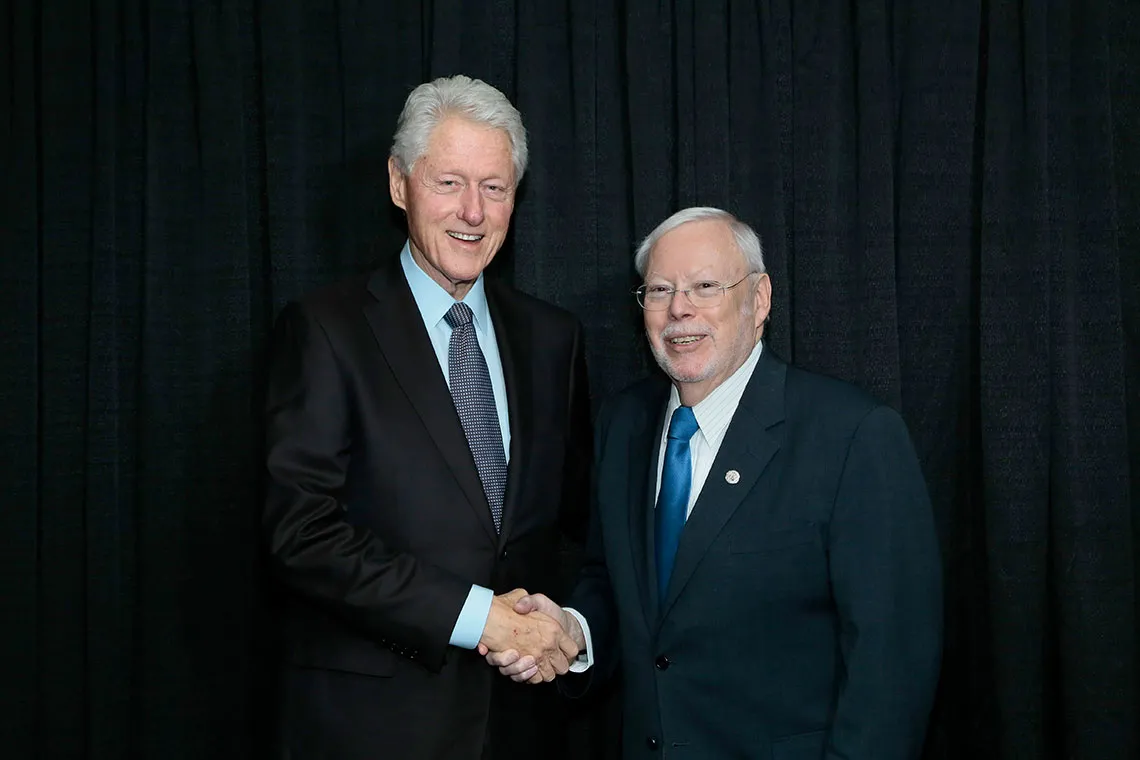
675	329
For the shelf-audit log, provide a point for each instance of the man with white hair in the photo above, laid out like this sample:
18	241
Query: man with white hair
762	567
428	445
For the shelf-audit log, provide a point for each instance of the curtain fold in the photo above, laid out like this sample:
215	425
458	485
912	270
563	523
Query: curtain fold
949	199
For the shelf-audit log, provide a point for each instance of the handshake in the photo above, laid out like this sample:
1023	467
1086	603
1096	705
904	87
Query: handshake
529	638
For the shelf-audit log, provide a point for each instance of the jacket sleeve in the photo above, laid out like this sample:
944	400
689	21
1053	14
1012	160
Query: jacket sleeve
886	581
385	594
573	516
593	595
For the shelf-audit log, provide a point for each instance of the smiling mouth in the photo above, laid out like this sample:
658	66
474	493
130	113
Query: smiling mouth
685	340
465	237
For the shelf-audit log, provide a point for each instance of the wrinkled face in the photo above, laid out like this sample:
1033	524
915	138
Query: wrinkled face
458	198
700	348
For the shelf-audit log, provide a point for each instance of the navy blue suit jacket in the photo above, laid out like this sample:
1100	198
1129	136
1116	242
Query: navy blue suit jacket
804	615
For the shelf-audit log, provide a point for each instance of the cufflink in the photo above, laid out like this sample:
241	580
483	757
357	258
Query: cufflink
732	477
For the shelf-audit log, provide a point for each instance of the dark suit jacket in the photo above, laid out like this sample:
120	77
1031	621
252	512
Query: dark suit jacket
377	524
803	617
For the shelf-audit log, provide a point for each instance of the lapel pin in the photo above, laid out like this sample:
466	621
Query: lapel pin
732	477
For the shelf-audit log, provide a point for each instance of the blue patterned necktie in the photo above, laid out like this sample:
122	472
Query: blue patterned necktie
475	402
673	501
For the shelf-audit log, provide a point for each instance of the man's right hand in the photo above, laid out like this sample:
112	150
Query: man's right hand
521	666
517	635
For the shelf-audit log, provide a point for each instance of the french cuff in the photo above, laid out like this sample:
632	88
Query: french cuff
585	660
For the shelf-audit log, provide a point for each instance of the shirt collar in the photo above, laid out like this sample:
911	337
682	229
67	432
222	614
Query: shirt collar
433	301
715	411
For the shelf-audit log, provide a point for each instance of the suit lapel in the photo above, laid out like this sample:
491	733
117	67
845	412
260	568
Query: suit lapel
644	450
513	336
747	448
402	338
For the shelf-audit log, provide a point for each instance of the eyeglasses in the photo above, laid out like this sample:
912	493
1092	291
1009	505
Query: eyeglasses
703	295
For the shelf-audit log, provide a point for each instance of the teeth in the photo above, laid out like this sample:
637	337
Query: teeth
468	238
686	339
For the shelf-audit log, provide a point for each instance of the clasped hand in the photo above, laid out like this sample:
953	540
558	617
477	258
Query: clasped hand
529	638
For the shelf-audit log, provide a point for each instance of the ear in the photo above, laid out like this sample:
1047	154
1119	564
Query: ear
397	184
762	296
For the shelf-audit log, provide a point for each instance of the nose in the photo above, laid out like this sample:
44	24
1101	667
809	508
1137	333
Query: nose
471	206
681	306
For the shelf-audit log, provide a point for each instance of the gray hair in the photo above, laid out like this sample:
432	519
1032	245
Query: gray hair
746	238
471	99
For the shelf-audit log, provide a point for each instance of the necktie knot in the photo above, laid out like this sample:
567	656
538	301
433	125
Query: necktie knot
458	315
683	424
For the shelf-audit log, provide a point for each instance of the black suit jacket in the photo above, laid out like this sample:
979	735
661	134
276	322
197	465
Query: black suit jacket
377	523
803	617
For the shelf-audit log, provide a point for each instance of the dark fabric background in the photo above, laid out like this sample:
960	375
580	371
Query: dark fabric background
949	194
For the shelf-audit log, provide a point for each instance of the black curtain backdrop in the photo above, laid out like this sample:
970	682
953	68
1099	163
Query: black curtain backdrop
949	194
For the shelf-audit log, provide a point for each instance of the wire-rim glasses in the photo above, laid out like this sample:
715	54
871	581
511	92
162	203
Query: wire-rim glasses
703	295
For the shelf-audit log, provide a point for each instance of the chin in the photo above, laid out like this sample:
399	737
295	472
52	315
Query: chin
468	261
465	270
685	372
692	366
691	377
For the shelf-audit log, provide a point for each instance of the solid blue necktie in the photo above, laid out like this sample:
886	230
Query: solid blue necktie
673	501
475	402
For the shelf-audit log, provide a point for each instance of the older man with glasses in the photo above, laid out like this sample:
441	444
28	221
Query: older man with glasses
763	568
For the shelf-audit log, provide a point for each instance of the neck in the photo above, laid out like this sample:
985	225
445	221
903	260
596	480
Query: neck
692	394
457	289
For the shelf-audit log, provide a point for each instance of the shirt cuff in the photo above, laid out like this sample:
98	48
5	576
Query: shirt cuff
585	660
472	618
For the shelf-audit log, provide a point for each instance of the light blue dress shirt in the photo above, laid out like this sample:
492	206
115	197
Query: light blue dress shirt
434	302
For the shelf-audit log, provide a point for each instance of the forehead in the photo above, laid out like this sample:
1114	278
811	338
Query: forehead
707	246
462	146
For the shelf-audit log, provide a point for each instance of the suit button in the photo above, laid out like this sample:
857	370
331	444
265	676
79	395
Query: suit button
652	742
503	556
663	662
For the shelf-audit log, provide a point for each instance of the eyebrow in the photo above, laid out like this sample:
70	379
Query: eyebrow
491	178
701	277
